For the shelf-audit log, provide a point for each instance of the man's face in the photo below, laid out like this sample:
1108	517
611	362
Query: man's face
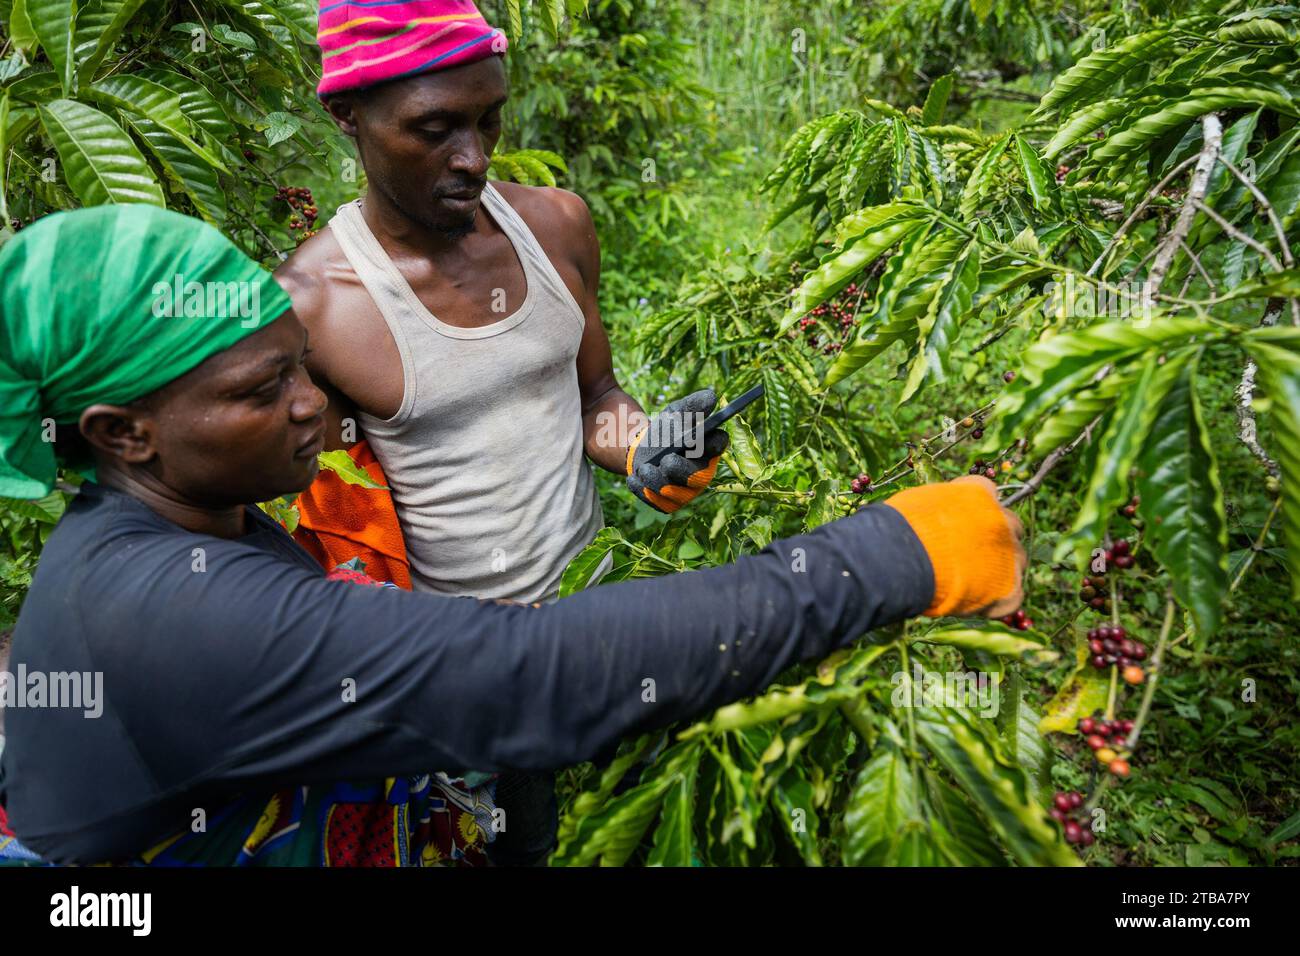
426	141
245	425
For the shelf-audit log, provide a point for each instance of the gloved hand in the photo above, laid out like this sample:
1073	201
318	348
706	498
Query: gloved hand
975	545
676	479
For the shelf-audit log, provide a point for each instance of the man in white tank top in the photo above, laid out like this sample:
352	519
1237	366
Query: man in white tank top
456	322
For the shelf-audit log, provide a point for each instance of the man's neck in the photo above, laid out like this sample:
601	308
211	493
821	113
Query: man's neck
227	522
398	232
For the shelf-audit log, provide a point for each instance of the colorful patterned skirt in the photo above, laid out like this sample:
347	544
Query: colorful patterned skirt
431	820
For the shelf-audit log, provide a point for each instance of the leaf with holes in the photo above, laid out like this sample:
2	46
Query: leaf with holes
1083	693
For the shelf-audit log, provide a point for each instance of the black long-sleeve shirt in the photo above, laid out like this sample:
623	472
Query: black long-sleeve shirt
232	666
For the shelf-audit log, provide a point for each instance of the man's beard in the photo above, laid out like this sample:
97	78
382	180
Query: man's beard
453	232
456	230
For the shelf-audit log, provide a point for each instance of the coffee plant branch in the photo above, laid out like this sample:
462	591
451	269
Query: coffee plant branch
1240	236
1256	547
1245	391
1140	208
1200	268
1245	395
1267	206
904	465
1153	671
1212	134
1002	248
1212	137
1051	461
1109	208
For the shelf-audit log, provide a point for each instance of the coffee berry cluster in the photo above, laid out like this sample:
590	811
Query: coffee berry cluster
1102	737
861	484
1094	590
1019	620
1094	593
1078	828
300	202
986	468
839	313
1120	555
989	469
1109	644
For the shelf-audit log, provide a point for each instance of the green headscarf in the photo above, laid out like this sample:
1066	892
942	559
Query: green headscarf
105	305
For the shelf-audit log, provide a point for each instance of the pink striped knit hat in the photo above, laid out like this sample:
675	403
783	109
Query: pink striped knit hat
372	41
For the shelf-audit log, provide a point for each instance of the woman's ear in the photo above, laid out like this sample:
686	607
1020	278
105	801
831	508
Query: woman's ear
120	431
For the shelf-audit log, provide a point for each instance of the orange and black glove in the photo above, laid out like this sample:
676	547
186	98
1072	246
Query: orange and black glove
682	473
974	545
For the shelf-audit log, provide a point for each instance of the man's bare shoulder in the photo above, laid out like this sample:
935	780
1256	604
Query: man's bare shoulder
353	355
310	272
549	199
560	220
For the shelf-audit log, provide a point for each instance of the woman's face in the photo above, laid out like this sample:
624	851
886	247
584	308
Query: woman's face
245	425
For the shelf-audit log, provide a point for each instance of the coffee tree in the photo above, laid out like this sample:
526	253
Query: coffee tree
1125	255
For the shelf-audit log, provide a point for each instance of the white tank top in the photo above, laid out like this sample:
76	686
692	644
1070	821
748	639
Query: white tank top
485	456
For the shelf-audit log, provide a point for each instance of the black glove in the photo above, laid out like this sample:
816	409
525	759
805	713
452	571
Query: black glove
683	473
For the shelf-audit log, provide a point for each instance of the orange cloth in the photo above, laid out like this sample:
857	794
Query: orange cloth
970	544
340	522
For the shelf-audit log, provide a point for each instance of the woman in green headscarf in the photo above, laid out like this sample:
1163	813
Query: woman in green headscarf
108	304
221	677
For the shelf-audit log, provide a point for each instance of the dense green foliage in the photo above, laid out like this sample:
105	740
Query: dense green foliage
918	245
876	209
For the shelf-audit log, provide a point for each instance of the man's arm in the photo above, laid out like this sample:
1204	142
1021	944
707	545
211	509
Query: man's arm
614	426
610	416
